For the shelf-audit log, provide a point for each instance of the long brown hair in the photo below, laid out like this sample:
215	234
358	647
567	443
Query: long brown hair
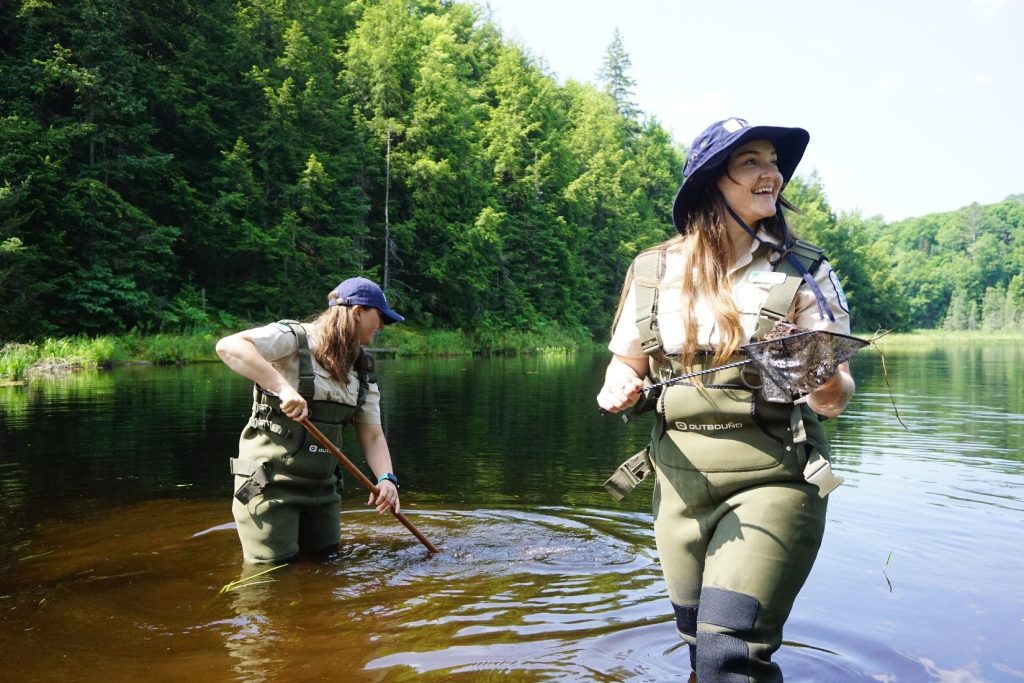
707	254
337	348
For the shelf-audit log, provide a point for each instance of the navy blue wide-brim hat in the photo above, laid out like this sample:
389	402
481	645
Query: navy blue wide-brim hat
364	292
710	152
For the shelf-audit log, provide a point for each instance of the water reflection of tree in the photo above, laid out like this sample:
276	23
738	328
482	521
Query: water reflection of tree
960	393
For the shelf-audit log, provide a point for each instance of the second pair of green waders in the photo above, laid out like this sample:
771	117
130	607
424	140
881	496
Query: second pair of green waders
286	497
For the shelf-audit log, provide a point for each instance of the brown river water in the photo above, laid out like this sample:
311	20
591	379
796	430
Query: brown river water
119	556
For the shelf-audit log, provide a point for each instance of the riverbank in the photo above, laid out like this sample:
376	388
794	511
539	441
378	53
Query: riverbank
927	338
56	357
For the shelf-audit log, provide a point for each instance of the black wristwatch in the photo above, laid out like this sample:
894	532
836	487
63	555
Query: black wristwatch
388	477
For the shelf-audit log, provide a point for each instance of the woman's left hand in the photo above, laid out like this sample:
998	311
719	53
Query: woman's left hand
385	498
830	398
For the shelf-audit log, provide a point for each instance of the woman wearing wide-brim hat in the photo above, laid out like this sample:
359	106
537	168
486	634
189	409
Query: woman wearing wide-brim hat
739	502
286	500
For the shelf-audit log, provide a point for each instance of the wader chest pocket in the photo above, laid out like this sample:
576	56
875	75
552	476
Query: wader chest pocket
712	429
311	460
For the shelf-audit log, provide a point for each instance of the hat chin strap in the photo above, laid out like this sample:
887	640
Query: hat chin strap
785	252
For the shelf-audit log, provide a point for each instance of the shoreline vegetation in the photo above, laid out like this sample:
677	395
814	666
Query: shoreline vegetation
930	338
54	358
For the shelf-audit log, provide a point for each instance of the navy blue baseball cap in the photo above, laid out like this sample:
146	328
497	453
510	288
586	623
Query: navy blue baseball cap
362	292
710	152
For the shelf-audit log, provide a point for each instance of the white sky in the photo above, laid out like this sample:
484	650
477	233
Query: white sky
914	106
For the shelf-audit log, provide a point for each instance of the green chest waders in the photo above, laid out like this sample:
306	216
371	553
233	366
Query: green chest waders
736	522
286	498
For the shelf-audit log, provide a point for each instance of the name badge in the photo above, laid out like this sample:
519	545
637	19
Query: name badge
767	277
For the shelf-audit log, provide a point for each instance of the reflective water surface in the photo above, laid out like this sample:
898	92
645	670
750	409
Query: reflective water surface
117	541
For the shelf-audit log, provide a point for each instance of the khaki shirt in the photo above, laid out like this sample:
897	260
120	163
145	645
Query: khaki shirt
751	280
279	346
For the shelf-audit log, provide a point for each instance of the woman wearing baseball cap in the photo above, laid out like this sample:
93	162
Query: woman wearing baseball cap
739	503
286	499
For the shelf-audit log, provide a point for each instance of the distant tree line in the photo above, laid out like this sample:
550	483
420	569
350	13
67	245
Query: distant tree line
960	270
174	165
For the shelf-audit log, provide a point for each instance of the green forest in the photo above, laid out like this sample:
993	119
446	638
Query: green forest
188	165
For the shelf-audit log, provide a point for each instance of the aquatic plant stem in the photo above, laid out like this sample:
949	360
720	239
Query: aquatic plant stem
362	479
254	579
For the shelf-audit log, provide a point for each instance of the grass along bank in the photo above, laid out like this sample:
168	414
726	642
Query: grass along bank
929	338
55	357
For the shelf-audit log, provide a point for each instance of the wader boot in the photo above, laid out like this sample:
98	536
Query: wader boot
286	496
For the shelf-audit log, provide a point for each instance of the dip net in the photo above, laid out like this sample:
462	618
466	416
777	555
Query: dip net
794	361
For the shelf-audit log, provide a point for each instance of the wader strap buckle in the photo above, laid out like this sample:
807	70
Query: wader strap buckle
629	474
258	478
819	472
266	425
662	367
647	320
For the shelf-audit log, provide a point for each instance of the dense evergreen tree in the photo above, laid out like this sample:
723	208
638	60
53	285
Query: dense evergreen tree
85	186
614	76
529	164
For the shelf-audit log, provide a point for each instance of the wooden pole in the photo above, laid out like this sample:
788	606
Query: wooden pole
362	479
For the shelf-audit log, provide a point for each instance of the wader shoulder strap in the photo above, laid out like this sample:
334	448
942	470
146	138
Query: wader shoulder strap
366	370
780	298
306	377
806	253
366	367
648	269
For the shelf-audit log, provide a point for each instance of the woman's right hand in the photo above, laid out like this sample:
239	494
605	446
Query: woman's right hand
239	352
292	404
622	384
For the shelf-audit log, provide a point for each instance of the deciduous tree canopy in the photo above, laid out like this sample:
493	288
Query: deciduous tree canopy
162	164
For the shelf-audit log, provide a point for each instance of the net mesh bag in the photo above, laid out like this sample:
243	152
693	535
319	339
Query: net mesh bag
794	361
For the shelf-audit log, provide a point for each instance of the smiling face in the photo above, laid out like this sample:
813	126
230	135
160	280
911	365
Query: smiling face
752	181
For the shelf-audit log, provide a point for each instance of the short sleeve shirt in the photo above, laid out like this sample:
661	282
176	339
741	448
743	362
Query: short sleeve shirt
279	346
751	278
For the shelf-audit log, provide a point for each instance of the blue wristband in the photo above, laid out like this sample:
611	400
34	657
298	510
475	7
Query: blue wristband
388	477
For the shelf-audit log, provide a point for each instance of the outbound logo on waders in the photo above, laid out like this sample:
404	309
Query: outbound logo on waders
712	427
